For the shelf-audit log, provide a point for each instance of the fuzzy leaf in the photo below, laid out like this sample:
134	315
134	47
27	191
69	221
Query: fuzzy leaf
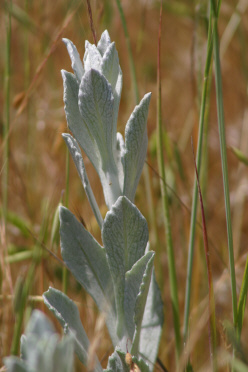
136	147
87	261
41	348
152	324
96	107
133	281
66	311
116	362
92	57
111	70
78	161
96	104
75	120
140	304
124	235
76	63
104	42
15	364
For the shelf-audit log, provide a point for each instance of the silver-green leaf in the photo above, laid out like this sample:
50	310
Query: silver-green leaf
136	146
133	282
87	261
66	311
75	121
76	63
152	323
78	161
124	235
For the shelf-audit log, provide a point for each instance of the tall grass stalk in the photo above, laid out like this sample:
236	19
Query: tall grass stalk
129	49
193	222
221	125
211	300
30	125
170	251
5	176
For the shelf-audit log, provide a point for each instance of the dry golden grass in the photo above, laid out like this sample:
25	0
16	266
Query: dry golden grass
37	154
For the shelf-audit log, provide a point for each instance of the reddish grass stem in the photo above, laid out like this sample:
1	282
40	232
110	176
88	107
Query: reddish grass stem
91	22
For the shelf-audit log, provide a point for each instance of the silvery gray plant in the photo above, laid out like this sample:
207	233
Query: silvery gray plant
118	275
41	348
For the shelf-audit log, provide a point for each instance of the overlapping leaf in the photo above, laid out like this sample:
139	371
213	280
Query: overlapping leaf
124	235
87	261
67	314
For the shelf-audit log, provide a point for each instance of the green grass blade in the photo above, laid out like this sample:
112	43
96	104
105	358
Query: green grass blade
221	126
242	300
169	243
130	55
240	155
193	222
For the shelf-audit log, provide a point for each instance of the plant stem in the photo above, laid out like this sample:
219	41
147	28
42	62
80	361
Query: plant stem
170	251
5	176
129	49
211	301
221	126
193	221
242	300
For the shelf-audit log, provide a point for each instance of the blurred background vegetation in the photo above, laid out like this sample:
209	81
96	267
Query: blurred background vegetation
33	155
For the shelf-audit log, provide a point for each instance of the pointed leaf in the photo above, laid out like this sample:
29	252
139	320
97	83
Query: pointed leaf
136	147
104	42
152	324
124	235
63	356
134	279
67	314
38	325
78	160
75	120
116	362
96	107
140	305
87	261
110	68
76	63
92	57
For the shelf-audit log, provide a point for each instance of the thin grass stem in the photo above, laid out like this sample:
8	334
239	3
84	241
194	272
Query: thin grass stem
193	222
129	49
167	223
242	300
211	300
222	138
7	72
